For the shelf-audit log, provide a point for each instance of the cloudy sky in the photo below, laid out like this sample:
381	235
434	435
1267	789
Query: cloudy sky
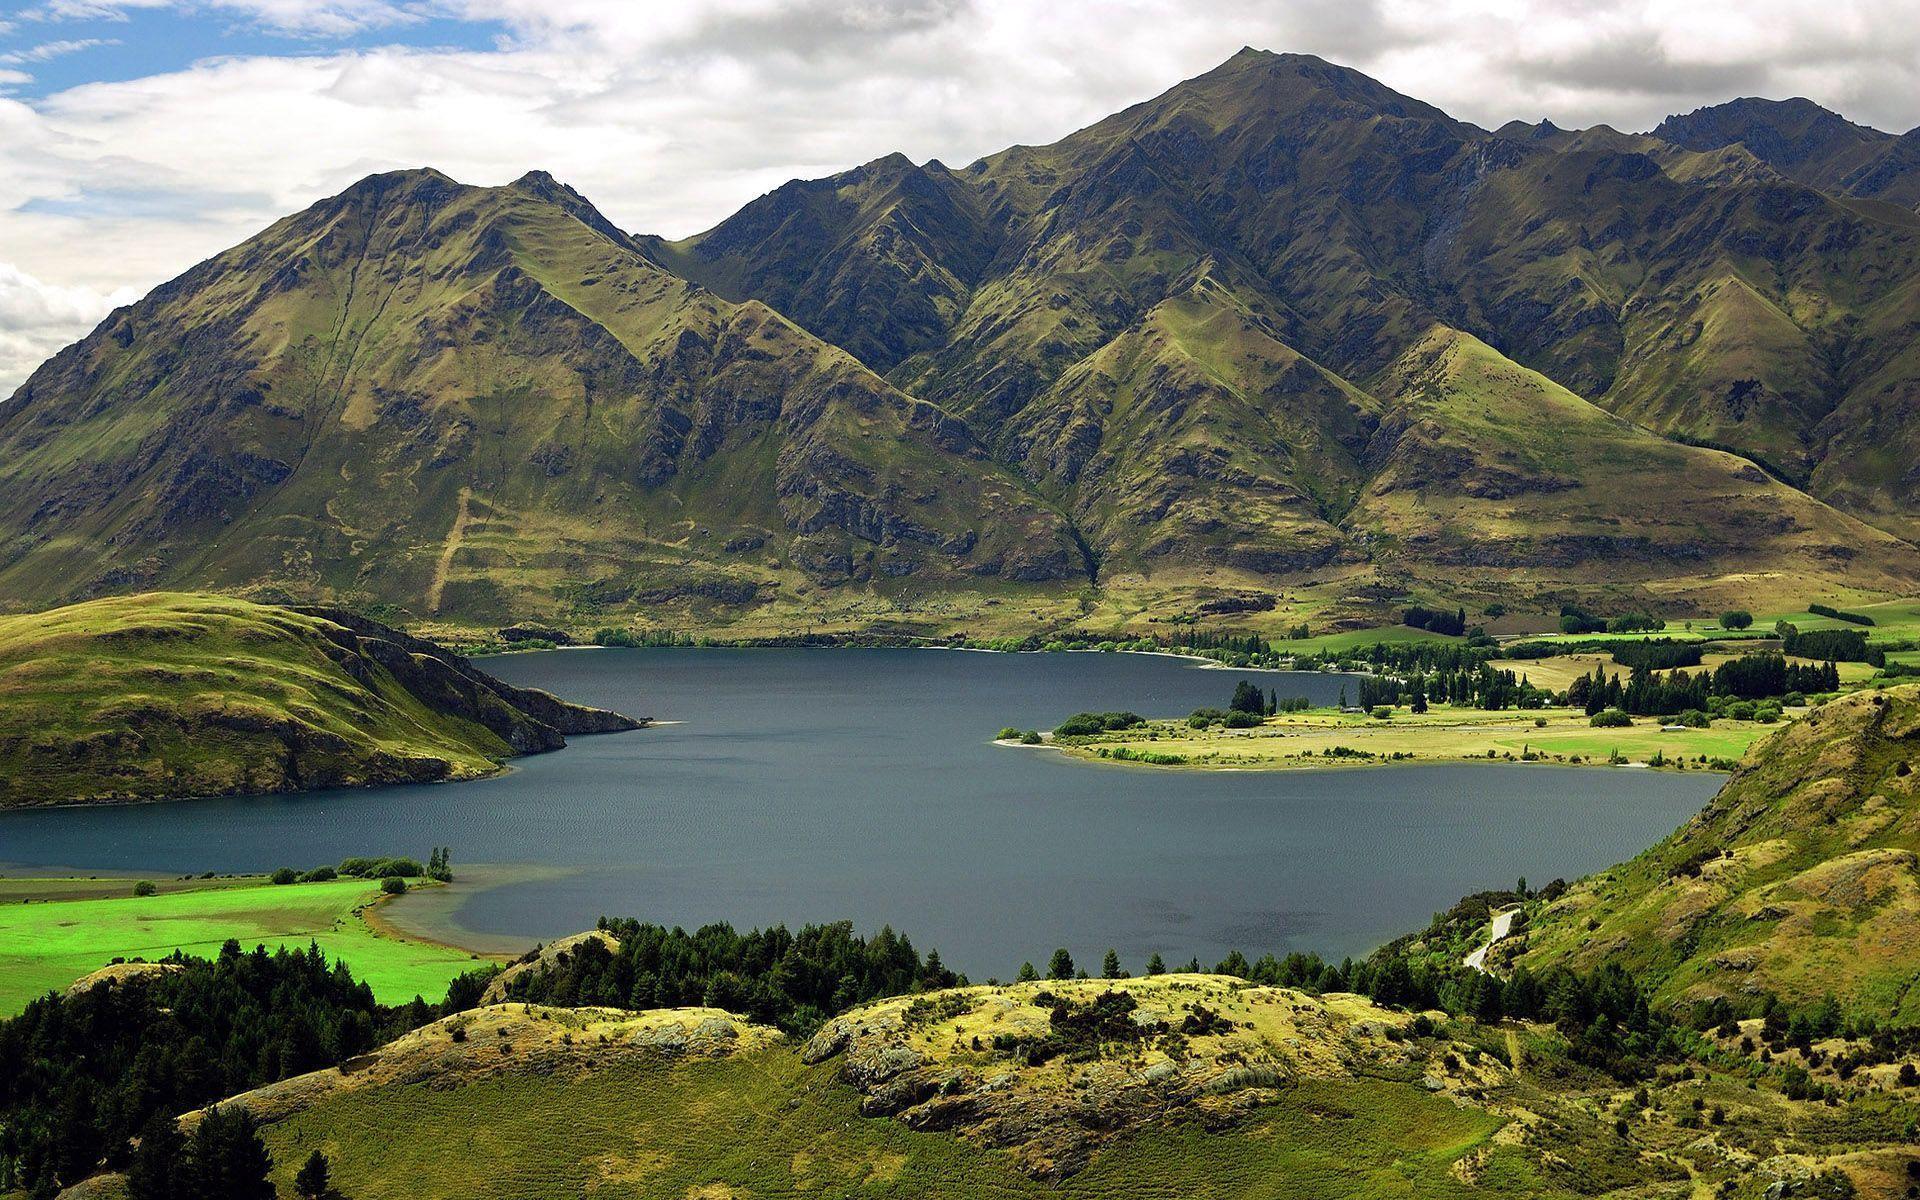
139	136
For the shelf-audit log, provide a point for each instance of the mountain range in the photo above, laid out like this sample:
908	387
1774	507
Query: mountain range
1278	328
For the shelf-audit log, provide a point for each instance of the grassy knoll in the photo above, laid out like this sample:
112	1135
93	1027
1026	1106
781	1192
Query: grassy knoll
1315	739
52	932
1273	1093
179	694
763	1124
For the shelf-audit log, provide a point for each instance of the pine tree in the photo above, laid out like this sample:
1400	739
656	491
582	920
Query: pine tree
313	1181
1061	965
1027	973
155	1166
1155	965
1110	965
228	1161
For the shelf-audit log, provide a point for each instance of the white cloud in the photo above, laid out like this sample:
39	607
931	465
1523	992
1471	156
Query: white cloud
297	17
47	51
38	318
669	116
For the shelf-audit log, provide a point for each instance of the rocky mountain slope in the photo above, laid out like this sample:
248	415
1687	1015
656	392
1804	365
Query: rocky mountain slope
166	695
1801	878
1279	321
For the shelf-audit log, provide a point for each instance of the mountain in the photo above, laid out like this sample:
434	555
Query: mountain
1696	292
1807	143
1280	326
170	695
471	400
1801	878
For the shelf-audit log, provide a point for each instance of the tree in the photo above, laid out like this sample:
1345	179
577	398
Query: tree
1247	699
227	1160
1110	965
1060	966
1156	965
144	888
393	885
154	1169
312	1181
1027	973
1736	618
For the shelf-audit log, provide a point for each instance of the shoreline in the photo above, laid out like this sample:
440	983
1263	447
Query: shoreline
431	915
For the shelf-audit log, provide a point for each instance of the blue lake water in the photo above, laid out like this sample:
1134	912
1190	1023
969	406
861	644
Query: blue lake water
816	785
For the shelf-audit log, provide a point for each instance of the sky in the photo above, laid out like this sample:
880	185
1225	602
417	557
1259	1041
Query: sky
137	137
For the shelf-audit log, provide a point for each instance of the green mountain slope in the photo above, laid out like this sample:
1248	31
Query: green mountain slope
167	695
1801	878
1690	287
469	400
1277	321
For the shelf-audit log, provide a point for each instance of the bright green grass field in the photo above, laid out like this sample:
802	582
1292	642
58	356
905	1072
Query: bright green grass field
764	1125
48	945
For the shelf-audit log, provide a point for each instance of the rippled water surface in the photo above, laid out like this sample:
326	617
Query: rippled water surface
808	785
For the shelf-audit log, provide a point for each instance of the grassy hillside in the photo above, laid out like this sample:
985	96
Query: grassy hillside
1273	1093
171	694
47	941
1800	878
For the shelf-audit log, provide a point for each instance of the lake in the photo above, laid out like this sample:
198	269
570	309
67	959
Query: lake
816	785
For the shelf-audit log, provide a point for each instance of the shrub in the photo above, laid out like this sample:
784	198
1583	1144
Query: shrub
145	888
1381	712
393	885
320	875
381	868
1236	719
1086	724
1009	734
1736	618
284	875
1031	738
1611	718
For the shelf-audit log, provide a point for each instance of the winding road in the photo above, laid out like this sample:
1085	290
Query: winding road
1502	925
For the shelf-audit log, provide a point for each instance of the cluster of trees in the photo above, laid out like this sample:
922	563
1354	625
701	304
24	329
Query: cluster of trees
1579	620
1832	645
383	868
1603	1013
1453	624
794	981
1481	687
640	637
1749	677
1839	614
1249	699
1088	723
224	1160
80	1076
1656	654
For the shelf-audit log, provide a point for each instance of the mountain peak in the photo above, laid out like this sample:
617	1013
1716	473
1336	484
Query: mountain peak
1784	133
